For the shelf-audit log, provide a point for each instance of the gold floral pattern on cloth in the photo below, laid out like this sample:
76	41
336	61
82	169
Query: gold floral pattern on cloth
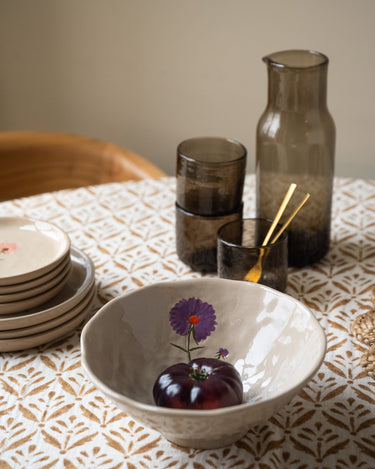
52	416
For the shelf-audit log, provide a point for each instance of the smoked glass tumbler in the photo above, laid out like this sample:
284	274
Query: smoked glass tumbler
196	237
240	249
210	175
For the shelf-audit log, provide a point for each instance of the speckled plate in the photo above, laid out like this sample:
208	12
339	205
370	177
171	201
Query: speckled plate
29	249
33	301
22	343
80	281
36	282
52	323
9	298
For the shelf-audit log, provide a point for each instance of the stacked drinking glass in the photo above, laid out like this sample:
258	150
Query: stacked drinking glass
210	178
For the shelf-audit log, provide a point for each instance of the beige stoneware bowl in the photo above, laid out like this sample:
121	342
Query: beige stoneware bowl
274	341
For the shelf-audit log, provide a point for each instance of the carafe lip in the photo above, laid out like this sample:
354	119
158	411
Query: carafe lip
296	59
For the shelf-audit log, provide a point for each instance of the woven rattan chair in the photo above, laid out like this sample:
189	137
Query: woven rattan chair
36	162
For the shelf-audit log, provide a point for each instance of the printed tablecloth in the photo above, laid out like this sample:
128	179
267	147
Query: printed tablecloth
52	416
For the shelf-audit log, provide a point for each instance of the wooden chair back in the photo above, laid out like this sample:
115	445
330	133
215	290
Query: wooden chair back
36	162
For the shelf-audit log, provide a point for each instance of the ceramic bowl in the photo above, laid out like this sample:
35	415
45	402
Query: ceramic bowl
274	341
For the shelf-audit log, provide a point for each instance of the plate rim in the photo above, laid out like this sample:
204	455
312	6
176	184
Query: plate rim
39	289
31	274
54	322
35	340
36	317
35	282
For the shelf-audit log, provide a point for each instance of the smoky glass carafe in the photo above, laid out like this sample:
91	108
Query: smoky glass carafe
295	143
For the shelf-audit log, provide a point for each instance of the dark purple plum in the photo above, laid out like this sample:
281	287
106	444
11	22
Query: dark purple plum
203	383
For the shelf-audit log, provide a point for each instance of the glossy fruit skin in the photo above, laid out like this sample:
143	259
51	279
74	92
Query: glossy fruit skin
203	383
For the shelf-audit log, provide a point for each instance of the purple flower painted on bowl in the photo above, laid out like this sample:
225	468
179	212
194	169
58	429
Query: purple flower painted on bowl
193	312
222	353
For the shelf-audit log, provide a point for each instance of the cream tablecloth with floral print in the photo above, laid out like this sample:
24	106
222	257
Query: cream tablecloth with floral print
52	416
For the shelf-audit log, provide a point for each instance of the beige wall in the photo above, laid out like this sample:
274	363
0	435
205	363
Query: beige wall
147	74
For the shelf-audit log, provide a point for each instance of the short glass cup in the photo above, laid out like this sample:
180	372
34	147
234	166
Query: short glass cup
210	175
196	238
239	250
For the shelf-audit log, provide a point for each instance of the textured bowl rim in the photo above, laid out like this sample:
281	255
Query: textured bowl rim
166	411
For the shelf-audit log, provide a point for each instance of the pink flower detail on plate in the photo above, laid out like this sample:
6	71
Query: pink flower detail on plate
8	248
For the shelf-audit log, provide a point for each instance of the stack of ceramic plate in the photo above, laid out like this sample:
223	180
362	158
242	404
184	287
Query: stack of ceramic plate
46	286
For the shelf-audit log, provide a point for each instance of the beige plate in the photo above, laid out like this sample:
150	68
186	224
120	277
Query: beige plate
32	292
22	343
36	282
80	280
47	325
29	249
32	302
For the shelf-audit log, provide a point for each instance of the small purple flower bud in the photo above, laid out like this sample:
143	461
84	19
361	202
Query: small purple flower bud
222	353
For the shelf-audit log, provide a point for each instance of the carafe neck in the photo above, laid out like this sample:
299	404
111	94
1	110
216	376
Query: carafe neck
297	80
